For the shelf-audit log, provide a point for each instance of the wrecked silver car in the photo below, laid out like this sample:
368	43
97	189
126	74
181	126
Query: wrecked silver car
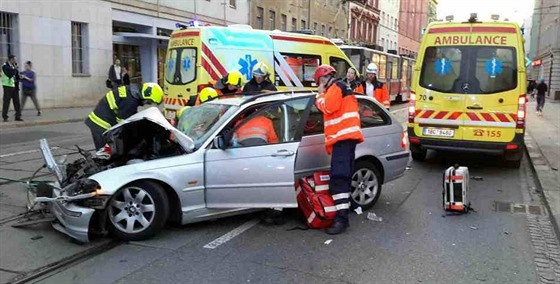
151	173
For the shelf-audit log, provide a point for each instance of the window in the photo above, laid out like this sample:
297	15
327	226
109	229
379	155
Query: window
181	66
314	124
396	24
315	28
371	115
200	122
440	68
340	65
233	3
329	35
260	13
283	23
271	124
490	76
294	24
395	74
303	24
322	30
383	18
302	66
8	33
271	20
79	48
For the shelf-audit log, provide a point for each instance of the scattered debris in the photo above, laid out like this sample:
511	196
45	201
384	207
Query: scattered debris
506	232
358	210
407	233
405	192
387	202
429	213
408	168
453	244
554	169
328	242
37	238
474	228
499	190
373	217
477	178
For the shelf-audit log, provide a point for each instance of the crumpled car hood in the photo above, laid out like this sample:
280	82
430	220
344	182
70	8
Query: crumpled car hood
154	115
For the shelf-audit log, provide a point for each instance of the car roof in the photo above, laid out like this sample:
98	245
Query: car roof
267	97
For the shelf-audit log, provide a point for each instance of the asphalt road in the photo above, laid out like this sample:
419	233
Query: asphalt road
416	242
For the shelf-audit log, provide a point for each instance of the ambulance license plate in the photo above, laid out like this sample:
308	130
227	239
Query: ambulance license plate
170	114
438	132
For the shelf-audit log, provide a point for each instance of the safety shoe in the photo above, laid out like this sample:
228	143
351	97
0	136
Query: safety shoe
19	119
39	113
5	119
338	227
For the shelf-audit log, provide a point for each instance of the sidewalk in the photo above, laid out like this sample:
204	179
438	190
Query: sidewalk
543	146
48	116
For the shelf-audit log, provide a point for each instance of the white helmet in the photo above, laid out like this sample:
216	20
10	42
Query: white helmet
372	68
260	69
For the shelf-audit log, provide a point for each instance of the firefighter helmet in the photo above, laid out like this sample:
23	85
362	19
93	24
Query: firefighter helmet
323	70
153	92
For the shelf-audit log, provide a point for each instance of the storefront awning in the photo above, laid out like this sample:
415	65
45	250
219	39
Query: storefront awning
141	36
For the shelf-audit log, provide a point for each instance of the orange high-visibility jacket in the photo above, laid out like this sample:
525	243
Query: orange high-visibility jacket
380	93
258	127
341	116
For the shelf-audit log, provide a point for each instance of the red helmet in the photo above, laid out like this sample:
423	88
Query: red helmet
323	70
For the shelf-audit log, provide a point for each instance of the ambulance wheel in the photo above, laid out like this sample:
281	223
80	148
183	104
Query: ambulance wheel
418	154
366	185
137	211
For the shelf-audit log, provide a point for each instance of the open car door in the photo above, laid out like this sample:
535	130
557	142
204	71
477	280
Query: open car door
255	168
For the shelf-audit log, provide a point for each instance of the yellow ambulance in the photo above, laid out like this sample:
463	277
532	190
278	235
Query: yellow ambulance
469	90
197	56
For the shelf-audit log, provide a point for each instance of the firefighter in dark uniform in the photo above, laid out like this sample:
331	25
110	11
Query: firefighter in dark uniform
118	104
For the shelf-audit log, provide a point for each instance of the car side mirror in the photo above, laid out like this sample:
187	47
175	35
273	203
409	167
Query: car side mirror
219	142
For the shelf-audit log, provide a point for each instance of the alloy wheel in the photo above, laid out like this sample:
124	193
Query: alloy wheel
132	210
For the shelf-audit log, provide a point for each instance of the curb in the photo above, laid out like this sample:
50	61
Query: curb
544	180
39	122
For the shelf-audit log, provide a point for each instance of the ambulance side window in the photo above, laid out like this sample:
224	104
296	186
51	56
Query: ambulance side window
371	115
301	68
340	65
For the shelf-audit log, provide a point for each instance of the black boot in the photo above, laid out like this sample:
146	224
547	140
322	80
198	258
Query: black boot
338	227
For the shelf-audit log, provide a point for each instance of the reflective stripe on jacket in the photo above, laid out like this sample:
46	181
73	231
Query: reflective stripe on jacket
340	113
258	127
112	108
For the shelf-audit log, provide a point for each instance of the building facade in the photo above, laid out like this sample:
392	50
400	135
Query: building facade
325	18
72	44
363	20
545	46
412	19
388	25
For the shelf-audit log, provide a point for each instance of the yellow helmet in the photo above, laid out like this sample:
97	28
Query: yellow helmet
180	112
260	69
153	92
207	94
234	78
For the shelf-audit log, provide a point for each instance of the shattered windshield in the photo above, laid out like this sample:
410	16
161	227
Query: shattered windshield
201	121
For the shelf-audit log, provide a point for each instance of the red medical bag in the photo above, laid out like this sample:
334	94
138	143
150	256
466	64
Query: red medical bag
315	201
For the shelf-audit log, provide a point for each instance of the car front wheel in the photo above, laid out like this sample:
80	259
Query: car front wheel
366	185
138	211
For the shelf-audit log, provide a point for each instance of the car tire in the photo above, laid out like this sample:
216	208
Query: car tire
514	164
137	211
366	185
418	154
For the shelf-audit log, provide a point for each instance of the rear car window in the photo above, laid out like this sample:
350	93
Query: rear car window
469	69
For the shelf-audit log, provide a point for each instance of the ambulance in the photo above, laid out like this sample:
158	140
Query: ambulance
469	90
197	56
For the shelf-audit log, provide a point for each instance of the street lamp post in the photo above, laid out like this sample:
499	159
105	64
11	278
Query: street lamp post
309	14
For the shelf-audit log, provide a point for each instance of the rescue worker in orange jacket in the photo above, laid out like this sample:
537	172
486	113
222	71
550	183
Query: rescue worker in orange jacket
374	88
259	130
353	79
342	133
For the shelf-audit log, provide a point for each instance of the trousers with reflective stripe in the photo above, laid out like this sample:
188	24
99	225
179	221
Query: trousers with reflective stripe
340	184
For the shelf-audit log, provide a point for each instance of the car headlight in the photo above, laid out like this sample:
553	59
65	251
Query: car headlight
86	185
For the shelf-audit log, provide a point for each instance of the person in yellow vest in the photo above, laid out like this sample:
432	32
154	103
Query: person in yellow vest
118	104
10	84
